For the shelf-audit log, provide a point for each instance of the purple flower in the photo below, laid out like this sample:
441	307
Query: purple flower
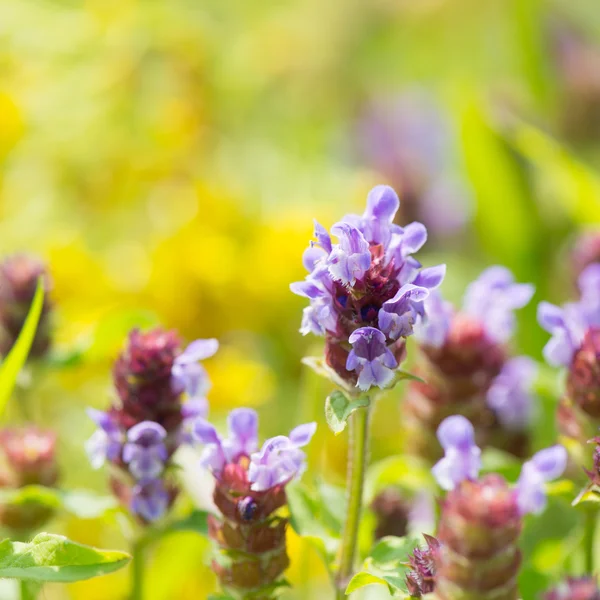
145	452
150	500
567	327
462	457
368	280
398	315
280	459
241	441
371	358
493	297
509	396
187	374
106	442
544	466
190	411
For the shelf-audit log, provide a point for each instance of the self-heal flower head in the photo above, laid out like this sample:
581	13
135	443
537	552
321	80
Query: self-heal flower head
367	281
145	452
106	442
544	466
462	457
280	459
510	395
490	301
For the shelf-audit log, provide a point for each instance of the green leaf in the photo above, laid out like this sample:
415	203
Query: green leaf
391	549
10	368
80	503
362	579
589	495
338	408
54	558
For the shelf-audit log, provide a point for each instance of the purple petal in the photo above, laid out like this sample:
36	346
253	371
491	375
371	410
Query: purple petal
243	426
150	500
198	350
323	238
550	462
456	432
550	317
414	237
103	420
382	203
431	277
205	433
192	409
147	432
311	256
301	435
530	490
306	288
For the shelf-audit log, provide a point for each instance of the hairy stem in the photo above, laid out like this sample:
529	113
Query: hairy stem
357	460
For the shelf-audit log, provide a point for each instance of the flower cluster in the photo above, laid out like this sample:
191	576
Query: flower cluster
250	488
366	292
575	344
406	139
467	369
19	275
27	457
575	588
481	518
140	433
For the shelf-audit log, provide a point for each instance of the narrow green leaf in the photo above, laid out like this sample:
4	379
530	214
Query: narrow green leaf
338	408
54	558
10	368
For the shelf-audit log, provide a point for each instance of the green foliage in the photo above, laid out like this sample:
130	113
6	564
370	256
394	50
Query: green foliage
12	364
338	409
54	558
386	565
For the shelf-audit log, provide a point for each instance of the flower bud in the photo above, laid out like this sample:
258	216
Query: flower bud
19	276
479	529
575	588
420	579
29	457
392	510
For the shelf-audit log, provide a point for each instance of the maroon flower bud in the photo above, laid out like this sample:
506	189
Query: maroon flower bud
142	377
248	525
421	578
19	276
29	459
479	529
583	381
575	588
456	377
392	510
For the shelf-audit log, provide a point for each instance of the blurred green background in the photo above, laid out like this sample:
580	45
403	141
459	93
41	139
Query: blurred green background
166	157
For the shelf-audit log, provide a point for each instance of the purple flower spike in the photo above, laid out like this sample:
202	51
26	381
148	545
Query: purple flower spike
350	259
145	452
150	500
398	315
280	459
462	459
545	466
107	442
493	297
510	397
371	358
187	374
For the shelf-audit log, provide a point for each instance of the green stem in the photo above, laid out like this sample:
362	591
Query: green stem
357	461
137	569
589	538
29	590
